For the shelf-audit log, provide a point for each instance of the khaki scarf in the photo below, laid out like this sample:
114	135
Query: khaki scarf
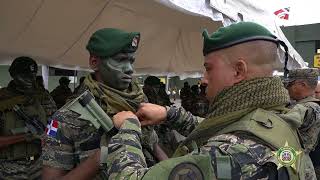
112	100
234	102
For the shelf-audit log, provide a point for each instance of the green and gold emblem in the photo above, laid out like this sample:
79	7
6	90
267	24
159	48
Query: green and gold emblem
287	156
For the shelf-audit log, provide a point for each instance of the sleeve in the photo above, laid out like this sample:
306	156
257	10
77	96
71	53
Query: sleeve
310	127
181	120
58	146
215	160
125	159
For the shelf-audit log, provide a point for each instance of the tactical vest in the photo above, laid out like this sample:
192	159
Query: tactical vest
12	121
268	128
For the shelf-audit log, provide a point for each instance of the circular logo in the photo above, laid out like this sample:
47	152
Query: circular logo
287	156
186	171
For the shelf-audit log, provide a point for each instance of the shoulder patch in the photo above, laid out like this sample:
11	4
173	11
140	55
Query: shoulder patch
186	171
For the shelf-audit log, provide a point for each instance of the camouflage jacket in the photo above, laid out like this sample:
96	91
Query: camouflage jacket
310	128
226	156
72	140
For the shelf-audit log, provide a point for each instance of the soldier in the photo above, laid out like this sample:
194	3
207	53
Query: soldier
154	92
242	127
71	147
301	85
200	103
23	107
62	92
80	84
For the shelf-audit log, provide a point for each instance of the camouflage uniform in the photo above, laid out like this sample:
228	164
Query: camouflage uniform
245	123
310	128
76	139
236	155
21	160
157	95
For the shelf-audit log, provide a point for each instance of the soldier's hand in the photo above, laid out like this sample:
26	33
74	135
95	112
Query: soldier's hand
151	114
120	117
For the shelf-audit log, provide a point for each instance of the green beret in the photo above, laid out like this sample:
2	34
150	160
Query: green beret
308	73
108	42
235	34
23	65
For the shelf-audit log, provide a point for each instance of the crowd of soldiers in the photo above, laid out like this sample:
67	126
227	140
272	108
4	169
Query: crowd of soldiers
194	99
229	129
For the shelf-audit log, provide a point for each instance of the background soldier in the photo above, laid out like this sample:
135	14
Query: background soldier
72	148
301	85
231	143
200	103
22	120
62	92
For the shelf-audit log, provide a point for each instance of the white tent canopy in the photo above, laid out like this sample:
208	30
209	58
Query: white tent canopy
55	32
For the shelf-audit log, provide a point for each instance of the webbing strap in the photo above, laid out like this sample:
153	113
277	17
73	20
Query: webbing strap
223	167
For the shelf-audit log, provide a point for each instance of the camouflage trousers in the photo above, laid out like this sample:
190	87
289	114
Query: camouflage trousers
309	169
20	169
317	170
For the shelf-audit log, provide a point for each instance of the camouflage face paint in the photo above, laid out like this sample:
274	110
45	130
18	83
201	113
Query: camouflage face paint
117	71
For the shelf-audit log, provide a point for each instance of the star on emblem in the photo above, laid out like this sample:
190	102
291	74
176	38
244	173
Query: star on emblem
287	156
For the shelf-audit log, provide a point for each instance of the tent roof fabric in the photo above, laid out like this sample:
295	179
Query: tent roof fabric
55	33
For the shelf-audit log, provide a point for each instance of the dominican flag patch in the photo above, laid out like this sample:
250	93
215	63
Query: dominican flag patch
52	128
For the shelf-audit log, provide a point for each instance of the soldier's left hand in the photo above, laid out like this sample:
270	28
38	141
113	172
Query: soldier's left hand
120	117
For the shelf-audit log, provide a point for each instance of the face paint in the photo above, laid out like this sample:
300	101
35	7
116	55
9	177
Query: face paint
26	81
116	71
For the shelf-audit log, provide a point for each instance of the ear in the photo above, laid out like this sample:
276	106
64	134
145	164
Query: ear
94	62
241	70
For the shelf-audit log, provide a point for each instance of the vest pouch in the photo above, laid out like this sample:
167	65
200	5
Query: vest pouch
272	130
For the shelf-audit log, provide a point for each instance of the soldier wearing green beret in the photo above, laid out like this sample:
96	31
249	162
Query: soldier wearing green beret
21	105
72	146
301	85
245	122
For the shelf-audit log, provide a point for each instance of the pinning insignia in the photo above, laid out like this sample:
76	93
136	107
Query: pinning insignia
186	171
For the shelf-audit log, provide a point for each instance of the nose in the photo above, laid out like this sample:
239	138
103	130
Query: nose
128	68
204	80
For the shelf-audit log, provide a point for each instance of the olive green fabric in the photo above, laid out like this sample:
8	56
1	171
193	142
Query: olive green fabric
114	100
23	65
108	42
233	103
10	120
235	34
178	168
251	111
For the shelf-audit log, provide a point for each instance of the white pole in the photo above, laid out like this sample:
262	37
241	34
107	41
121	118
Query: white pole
45	75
